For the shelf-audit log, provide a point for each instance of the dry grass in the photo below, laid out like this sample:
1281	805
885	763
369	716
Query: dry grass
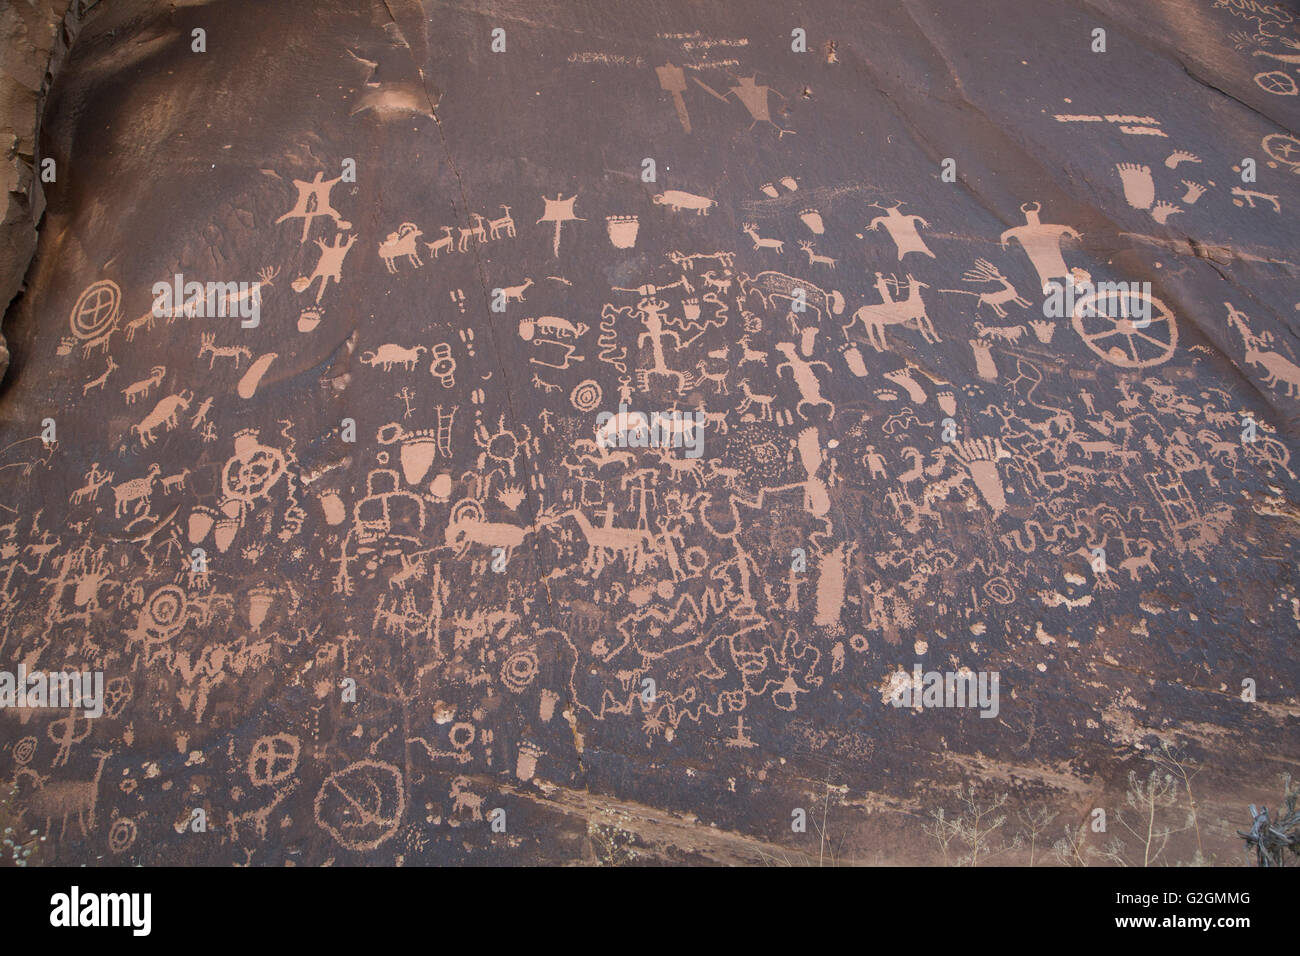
967	837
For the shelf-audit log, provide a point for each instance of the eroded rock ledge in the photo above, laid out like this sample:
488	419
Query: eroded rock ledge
35	36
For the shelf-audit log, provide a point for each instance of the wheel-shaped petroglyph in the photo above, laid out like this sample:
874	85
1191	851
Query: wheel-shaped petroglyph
1123	334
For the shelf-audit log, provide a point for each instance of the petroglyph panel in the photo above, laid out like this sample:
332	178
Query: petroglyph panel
460	437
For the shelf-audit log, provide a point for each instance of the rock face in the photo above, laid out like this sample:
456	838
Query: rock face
538	433
35	36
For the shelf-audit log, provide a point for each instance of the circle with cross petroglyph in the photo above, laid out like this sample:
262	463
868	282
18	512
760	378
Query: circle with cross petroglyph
97	308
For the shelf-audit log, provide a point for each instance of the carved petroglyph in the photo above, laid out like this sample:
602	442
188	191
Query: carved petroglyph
313	201
328	267
370	576
1041	242
401	244
902	229
875	318
986	272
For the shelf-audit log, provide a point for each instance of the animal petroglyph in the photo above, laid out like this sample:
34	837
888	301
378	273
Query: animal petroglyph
985	271
875	318
164	415
401	244
496	521
677	200
388	355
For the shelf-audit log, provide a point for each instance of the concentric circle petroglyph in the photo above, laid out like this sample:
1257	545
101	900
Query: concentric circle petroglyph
586	396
